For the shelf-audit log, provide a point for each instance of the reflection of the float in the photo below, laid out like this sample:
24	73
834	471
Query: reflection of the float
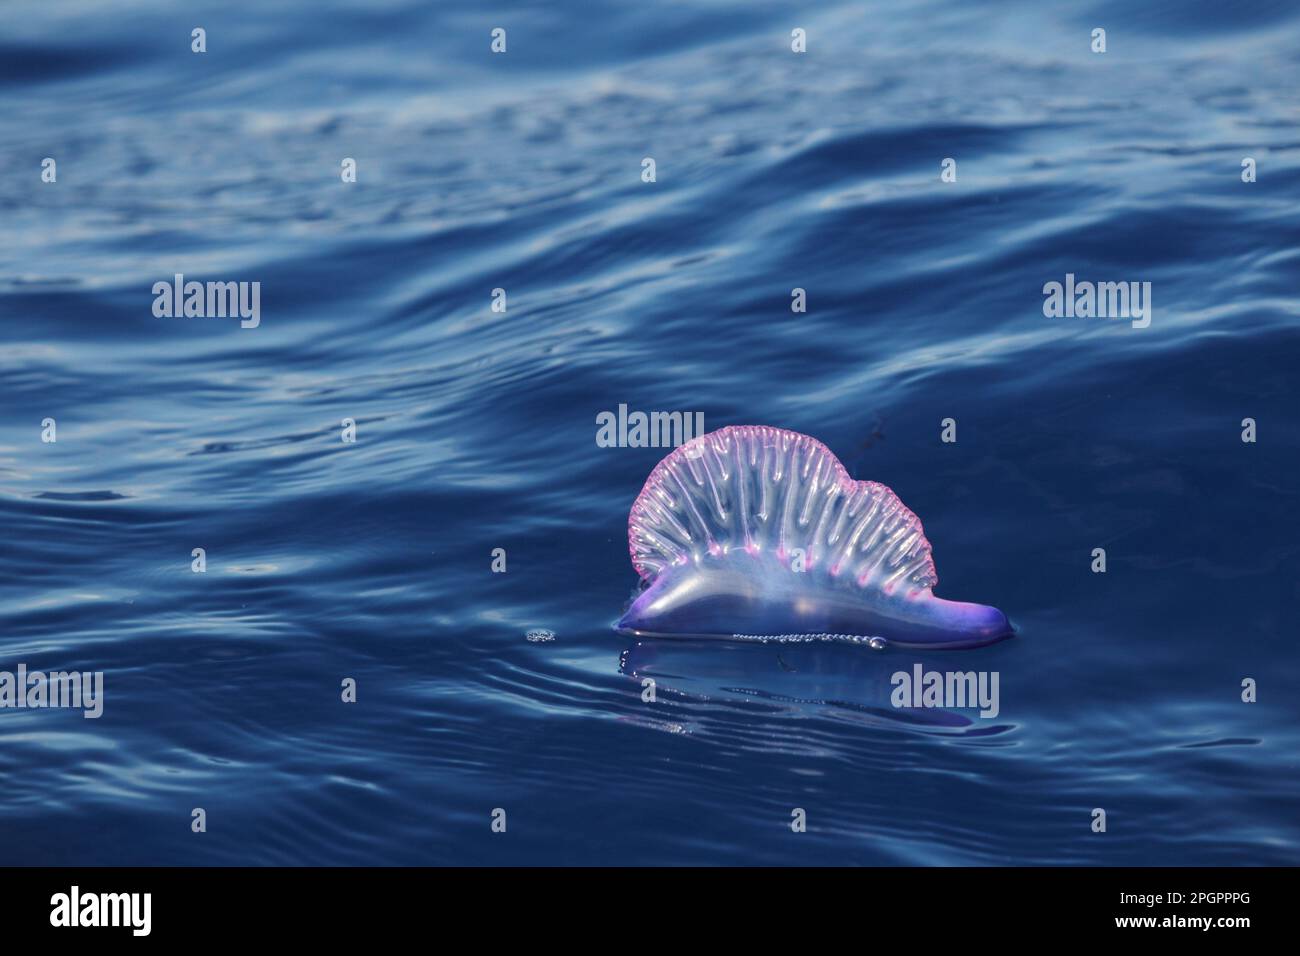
807	678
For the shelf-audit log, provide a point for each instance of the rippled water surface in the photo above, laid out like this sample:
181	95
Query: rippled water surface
476	430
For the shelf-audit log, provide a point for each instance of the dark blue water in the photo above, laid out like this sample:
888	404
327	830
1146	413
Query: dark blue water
476	430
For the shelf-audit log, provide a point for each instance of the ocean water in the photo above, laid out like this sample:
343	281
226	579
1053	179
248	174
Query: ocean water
475	429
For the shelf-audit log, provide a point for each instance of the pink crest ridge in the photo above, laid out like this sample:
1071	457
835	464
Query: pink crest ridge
755	488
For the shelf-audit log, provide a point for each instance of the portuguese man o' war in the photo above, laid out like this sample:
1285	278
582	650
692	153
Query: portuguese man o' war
758	533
